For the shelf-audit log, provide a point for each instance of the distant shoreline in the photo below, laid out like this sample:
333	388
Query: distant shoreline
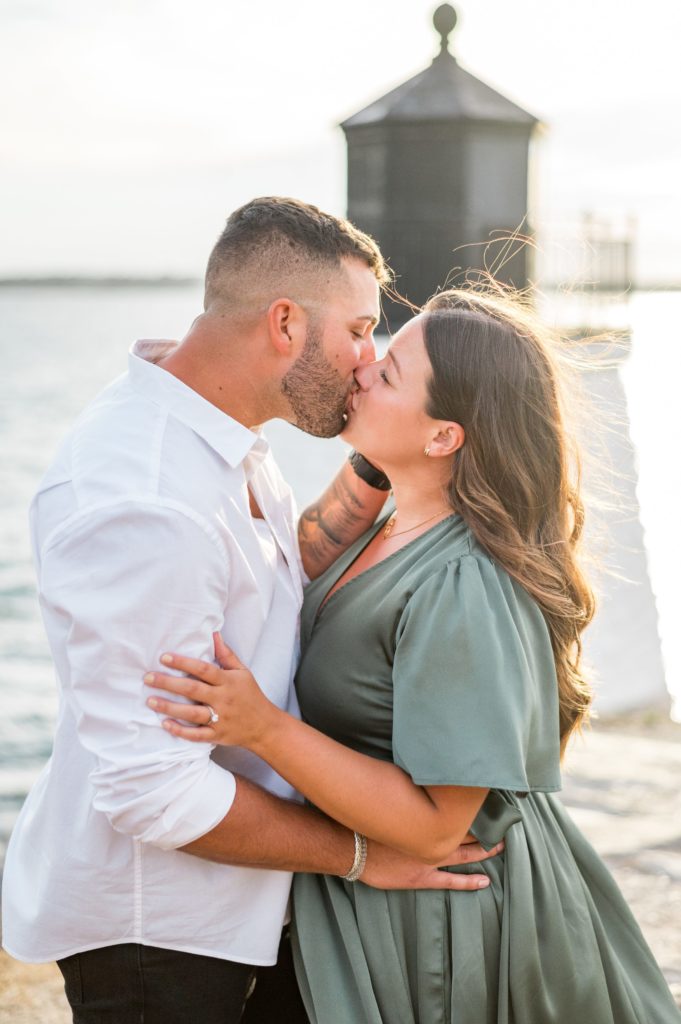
106	281
173	281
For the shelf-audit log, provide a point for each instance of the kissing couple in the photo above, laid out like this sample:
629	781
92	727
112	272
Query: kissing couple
370	702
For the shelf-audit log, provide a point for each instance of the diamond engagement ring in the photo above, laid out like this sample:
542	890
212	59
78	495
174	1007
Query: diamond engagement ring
213	716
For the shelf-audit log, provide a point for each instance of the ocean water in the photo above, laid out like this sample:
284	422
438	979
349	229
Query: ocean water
59	346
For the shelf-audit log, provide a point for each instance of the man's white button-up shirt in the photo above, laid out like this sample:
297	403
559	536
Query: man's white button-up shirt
144	542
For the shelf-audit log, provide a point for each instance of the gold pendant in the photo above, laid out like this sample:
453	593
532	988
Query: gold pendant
389	526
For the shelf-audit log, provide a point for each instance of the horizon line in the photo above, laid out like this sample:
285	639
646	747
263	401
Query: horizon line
174	280
96	280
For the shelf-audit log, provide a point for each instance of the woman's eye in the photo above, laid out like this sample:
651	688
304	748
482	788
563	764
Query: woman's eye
357	334
384	376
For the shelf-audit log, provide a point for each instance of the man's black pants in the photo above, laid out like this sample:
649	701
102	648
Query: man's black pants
134	984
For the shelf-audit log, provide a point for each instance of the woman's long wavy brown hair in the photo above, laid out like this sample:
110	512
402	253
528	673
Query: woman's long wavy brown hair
516	479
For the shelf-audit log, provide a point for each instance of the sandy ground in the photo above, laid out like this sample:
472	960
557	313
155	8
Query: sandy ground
623	787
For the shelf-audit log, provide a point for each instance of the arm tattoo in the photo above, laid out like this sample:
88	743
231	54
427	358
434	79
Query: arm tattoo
327	527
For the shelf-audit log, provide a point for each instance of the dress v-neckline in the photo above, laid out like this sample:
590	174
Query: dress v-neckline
329	595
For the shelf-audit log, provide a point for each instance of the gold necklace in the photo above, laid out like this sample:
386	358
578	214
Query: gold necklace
388	529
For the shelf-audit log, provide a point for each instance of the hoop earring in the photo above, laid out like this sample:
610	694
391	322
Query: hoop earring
426	451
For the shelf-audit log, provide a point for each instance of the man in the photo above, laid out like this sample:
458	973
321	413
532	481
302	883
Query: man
155	871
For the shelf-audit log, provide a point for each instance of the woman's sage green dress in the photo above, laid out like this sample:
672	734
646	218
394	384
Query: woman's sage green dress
435	659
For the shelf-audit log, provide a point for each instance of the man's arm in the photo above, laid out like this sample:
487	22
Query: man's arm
328	526
375	797
261	830
117	584
124	586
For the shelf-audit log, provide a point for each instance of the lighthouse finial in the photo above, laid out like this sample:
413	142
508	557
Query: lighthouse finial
444	20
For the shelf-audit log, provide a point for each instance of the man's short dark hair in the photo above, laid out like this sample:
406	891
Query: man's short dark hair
283	240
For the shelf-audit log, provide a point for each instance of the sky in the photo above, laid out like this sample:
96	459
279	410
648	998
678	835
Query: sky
129	132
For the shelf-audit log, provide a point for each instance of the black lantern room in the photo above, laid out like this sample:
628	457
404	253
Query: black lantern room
438	174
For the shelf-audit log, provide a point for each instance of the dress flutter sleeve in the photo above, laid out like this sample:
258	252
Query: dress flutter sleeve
475	699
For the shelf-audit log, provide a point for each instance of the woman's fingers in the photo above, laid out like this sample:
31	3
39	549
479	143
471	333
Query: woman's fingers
193	667
197	734
194	714
194	689
224	656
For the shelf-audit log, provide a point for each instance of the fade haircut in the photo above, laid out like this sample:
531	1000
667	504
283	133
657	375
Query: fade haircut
274	247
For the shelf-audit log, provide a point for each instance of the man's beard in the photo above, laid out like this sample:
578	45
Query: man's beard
316	392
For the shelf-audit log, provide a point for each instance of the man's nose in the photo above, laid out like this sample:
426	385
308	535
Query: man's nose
368	353
364	375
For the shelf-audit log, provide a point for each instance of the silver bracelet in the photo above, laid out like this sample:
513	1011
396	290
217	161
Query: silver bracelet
360	861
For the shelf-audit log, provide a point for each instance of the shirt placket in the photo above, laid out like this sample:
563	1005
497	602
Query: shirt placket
280	532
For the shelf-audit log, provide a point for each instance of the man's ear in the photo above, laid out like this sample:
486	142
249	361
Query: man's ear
287	327
448	439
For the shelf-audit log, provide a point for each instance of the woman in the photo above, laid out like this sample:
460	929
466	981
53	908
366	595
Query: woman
440	681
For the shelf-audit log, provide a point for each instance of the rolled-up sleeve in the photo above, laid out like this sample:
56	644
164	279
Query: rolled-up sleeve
126	583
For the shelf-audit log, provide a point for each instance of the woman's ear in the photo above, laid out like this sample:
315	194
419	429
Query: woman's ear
286	326
448	439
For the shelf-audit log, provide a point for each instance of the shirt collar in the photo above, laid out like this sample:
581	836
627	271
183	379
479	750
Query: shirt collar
230	439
